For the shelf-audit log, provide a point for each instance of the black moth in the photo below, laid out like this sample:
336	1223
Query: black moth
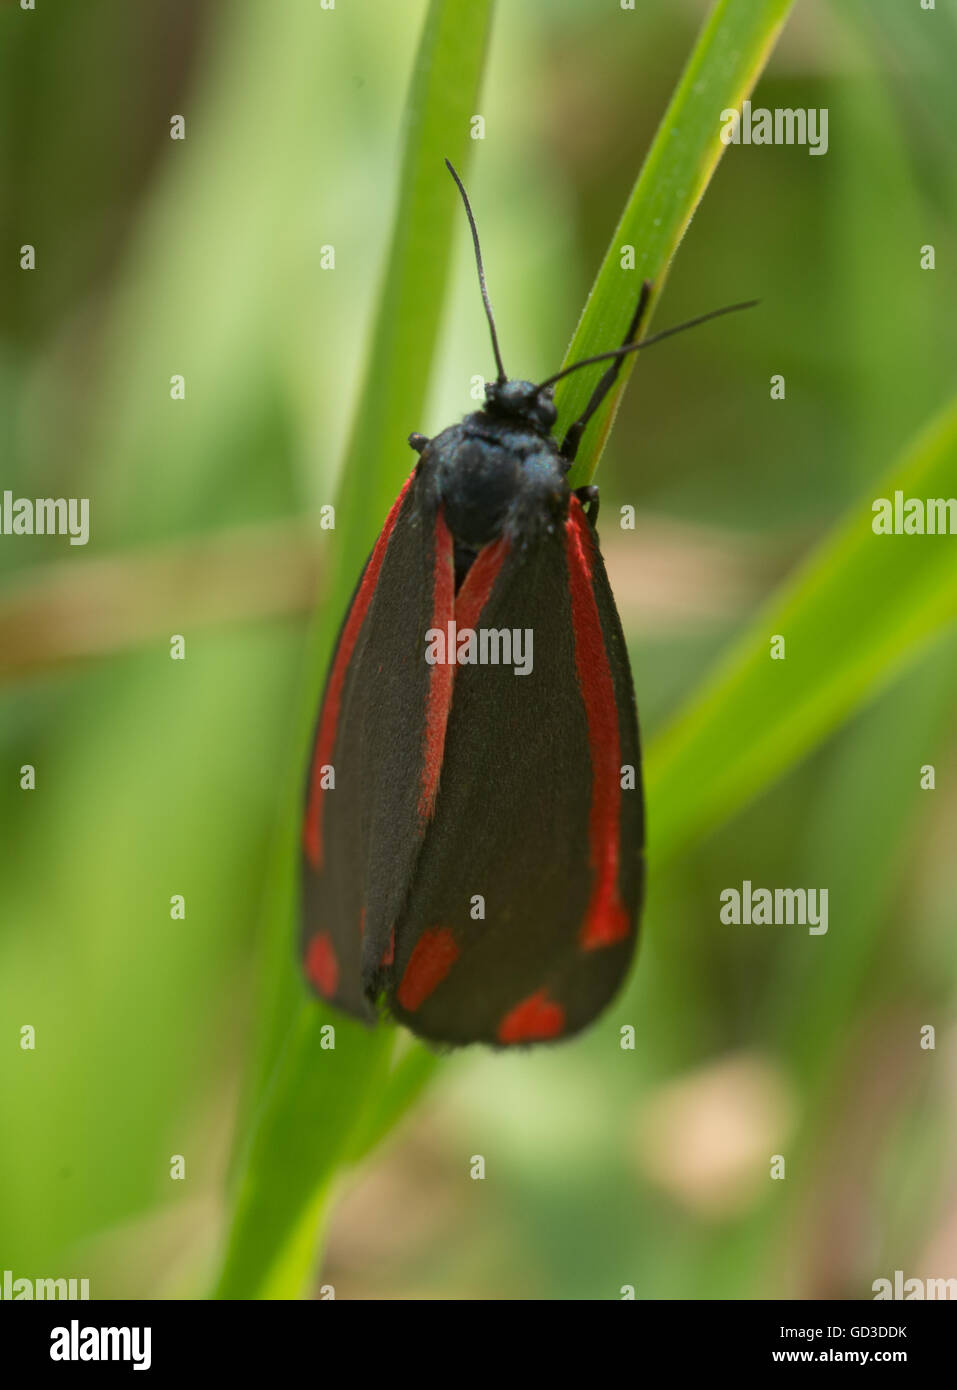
472	843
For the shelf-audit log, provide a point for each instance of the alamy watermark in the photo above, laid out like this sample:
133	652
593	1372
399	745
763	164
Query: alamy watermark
45	516
775	907
914	516
484	646
782	126
49	1290
913	1288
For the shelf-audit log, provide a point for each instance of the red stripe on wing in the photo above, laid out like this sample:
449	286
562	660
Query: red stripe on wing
606	920
466	607
329	720
475	590
436	951
440	676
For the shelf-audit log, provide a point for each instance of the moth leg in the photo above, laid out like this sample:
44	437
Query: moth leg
573	438
588	497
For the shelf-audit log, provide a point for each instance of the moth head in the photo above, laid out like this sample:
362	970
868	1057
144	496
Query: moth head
522	401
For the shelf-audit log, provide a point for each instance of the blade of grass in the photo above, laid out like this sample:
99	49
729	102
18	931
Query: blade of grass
443	95
848	579
267	1247
732	49
410	1075
312	1102
860	609
304	1101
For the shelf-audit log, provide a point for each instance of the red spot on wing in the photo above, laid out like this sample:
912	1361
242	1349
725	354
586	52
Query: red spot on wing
606	920
388	956
322	967
533	1020
432	958
329	719
439	697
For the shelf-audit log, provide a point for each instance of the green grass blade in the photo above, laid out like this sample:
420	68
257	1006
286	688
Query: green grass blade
857	613
727	60
734	45
308	1114
391	402
268	1249
408	1078
304	1102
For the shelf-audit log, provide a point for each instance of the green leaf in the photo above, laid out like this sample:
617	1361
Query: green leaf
408	1078
270	1245
861	608
391	400
307	1117
731	52
302	1111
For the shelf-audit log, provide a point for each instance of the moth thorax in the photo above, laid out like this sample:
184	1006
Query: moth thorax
478	484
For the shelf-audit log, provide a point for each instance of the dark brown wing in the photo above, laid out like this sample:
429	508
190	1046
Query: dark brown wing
536	825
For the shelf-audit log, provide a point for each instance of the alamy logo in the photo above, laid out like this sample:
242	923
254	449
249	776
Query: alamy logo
76	1343
782	126
46	516
43	1289
902	1288
775	907
486	646
914	516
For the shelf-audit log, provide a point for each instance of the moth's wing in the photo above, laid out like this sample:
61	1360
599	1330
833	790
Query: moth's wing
538	822
381	728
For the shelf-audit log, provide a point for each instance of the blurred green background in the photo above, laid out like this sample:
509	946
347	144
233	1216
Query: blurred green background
157	777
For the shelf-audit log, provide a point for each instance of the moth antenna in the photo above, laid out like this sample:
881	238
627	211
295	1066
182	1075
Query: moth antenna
646	342
502	377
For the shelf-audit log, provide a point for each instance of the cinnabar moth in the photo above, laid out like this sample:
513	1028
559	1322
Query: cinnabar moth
473	835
